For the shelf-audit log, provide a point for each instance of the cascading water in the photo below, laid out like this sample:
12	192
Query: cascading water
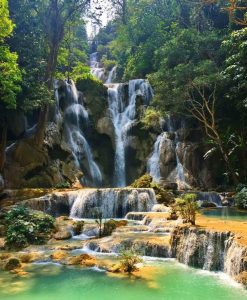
96	70
75	118
112	203
112	75
122	112
123	115
153	165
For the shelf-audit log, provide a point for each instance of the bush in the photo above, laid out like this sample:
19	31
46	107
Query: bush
88	83
187	207
107	63
162	196
63	185
151	119
129	260
241	198
144	181
111	225
25	227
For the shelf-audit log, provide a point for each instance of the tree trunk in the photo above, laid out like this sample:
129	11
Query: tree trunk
3	141
228	164
43	114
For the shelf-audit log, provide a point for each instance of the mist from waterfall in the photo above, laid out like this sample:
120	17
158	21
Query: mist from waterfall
76	118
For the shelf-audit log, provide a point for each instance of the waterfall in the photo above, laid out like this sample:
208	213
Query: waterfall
211	197
76	118
112	75
153	165
123	114
116	107
112	203
96	70
162	143
209	250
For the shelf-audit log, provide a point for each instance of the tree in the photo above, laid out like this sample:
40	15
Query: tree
56	16
204	110
187	208
129	260
10	76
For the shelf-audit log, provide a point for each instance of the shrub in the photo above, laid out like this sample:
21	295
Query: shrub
144	181
63	185
162	196
187	207
108	63
129	260
151	119
12	263
88	83
25	227
241	198
111	225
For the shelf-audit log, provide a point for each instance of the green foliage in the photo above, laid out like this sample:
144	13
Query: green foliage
6	25
235	72
63	185
87	82
151	118
162	196
108	63
111	225
25	227
241	198
144	181
10	75
128	260
187	207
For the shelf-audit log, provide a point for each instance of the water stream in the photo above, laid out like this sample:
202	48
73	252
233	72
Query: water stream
75	119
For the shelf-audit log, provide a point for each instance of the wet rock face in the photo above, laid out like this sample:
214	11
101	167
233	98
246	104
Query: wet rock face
29	166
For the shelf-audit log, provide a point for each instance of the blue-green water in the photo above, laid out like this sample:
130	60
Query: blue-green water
226	213
169	281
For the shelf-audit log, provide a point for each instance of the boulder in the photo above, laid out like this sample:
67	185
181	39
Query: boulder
105	126
63	235
12	263
58	255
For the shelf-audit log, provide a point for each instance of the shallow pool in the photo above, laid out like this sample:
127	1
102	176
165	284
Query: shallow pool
166	280
226	213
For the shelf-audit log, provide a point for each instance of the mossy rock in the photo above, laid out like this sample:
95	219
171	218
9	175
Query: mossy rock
12	264
95	96
144	181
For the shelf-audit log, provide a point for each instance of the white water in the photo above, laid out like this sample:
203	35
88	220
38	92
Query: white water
112	75
111	203
96	70
123	114
153	164
76	116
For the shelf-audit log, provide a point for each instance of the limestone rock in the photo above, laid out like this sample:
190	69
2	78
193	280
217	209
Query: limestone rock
105	126
63	235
